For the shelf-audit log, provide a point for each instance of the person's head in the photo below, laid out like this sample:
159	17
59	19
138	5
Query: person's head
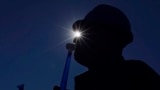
105	32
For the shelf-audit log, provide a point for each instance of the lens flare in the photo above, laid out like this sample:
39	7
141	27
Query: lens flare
77	34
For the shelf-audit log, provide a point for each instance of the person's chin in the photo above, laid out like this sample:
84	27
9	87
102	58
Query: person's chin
79	56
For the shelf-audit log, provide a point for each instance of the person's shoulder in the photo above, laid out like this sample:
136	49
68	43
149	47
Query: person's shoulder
136	63
143	72
139	66
135	66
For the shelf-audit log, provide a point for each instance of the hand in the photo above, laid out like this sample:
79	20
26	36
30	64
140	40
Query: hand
57	88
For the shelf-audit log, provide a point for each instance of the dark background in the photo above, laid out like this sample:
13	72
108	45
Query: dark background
33	34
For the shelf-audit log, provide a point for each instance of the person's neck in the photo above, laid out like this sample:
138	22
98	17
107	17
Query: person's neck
107	61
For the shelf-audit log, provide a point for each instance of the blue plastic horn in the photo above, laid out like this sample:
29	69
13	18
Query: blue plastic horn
70	47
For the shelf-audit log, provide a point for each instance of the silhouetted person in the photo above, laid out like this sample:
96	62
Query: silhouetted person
106	32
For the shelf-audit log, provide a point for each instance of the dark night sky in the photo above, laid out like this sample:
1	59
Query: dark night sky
33	35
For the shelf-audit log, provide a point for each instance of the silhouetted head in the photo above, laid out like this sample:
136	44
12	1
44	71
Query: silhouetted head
105	32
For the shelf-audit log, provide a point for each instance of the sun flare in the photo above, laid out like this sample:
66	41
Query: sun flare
77	34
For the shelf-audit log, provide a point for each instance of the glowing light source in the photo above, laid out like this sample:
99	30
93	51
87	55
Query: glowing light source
77	34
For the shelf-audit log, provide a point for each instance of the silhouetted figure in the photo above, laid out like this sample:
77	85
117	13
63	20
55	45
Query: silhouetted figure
106	32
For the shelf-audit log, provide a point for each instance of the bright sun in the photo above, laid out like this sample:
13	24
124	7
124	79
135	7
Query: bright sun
77	34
